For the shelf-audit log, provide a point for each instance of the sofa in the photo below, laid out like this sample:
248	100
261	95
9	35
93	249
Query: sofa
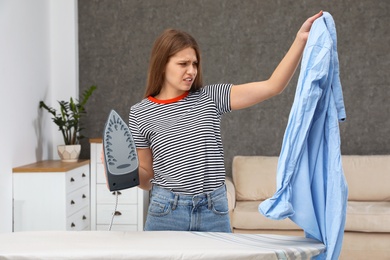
367	228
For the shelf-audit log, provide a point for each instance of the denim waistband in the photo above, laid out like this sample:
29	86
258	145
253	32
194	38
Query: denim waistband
178	198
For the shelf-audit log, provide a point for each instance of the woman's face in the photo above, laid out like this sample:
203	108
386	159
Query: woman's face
180	73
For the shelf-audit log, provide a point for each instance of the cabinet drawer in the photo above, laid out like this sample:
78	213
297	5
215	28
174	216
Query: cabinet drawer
77	178
100	174
77	200
105	196
125	214
79	220
98	155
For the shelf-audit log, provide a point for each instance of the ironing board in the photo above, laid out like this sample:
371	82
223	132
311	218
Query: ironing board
154	245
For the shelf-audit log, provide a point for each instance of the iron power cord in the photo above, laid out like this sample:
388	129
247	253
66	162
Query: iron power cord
116	193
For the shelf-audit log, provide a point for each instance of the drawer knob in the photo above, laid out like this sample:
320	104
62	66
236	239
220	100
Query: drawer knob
84	196
117	213
83	175
72	202
84	217
71	179
72	225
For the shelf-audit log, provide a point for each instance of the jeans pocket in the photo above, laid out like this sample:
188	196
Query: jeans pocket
159	208
220	205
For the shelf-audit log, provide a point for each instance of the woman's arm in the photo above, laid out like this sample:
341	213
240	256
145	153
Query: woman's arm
246	95
145	169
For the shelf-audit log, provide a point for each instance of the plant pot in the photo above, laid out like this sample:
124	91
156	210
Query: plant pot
69	153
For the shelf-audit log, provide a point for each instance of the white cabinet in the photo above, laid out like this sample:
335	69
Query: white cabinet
51	195
131	209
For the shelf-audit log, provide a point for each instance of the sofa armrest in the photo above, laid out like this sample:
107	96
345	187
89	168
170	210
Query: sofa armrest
231	193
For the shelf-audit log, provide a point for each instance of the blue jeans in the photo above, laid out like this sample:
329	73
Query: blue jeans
172	211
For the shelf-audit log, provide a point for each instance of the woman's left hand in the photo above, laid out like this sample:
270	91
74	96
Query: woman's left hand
303	32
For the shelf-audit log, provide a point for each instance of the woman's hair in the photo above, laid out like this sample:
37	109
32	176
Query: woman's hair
169	43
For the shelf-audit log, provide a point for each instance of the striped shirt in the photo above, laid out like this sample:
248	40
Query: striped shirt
184	137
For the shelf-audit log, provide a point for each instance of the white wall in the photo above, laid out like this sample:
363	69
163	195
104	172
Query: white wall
38	61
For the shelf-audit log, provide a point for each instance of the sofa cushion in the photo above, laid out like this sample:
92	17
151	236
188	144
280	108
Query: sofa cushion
246	216
368	216
254	177
368	177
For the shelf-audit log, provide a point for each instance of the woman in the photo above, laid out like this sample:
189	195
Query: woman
176	129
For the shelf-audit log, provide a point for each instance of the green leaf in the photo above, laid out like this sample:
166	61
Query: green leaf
68	117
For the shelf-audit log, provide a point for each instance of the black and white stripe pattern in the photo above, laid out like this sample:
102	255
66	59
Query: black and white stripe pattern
185	139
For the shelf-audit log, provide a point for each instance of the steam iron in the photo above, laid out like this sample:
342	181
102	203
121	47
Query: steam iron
120	155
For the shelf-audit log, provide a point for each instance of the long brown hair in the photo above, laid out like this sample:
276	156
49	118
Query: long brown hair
166	45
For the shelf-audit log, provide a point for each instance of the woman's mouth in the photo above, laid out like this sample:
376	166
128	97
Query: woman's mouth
188	80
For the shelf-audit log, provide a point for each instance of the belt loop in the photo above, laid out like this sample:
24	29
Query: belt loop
209	200
175	201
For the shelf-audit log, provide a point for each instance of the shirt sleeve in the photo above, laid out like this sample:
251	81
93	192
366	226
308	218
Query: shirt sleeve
139	139
220	95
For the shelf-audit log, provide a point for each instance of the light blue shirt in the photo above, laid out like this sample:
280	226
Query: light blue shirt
311	187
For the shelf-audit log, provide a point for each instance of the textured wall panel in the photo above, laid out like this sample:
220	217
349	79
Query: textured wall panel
241	41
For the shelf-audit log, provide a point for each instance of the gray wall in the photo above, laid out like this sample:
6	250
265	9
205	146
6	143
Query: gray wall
241	41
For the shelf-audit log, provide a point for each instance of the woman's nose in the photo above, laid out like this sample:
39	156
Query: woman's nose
191	69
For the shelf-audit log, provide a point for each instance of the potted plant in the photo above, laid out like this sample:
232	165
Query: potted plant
68	122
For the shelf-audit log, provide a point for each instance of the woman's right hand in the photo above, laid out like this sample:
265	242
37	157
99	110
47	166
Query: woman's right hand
102	156
145	169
